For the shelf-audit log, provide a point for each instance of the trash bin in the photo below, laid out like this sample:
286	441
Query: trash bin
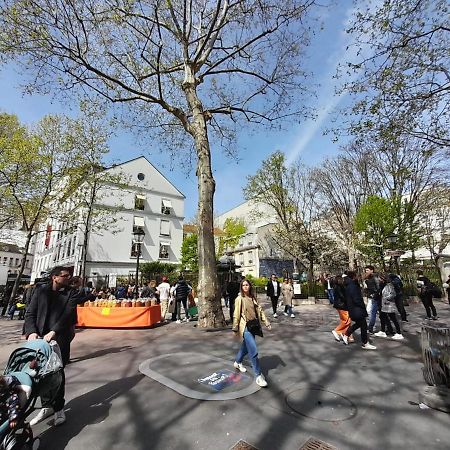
436	353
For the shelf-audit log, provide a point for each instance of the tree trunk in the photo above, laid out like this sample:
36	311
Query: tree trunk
210	308
22	268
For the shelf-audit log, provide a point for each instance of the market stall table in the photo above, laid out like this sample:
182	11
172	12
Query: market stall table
118	317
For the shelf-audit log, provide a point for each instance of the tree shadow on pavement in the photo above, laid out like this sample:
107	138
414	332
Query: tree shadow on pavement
103	352
270	362
90	408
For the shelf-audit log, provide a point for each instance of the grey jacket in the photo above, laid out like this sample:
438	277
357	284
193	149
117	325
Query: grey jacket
388	295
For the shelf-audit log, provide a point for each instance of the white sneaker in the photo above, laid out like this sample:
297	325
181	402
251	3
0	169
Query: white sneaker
240	367
42	415
345	339
261	381
368	347
336	335
293	316
275	315
381	334
398	337
286	314
178	321
60	417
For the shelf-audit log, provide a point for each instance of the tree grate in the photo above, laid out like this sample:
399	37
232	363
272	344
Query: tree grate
316	444
242	445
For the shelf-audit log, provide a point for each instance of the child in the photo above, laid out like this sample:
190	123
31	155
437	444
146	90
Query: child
10	390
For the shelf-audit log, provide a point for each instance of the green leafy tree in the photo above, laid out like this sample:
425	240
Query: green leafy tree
375	221
185	70
152	269
233	229
189	253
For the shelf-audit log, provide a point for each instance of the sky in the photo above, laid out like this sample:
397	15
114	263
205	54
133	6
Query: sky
305	140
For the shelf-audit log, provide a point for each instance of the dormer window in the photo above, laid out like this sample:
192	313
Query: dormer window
166	206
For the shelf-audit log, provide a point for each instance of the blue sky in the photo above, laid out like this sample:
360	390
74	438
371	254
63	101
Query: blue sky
305	140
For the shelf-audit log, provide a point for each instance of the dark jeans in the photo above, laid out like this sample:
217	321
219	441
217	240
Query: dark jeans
274	301
360	323
427	301
53	396
400	307
386	318
179	302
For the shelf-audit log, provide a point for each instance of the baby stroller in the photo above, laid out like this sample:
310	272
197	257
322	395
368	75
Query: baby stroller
37	366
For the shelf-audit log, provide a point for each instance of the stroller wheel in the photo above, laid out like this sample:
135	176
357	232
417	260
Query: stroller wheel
35	445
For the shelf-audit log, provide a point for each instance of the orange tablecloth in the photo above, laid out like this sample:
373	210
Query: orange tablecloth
100	317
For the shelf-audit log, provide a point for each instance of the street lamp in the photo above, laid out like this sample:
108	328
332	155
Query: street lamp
139	235
392	238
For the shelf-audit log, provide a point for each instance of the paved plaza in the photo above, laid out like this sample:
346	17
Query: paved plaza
318	388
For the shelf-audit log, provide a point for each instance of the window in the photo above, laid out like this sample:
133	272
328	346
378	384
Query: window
164	250
164	228
138	223
241	259
5	260
140	176
135	247
27	263
10	261
166	206
139	202
69	245
249	243
250	257
17	262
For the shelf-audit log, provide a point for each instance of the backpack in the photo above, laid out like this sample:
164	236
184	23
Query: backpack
398	284
435	290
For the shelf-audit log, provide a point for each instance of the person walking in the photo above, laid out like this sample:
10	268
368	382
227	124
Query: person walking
373	291
273	291
388	308
233	287
50	317
181	292
248	316
163	290
426	295
340	303
328	284
356	310
398	286
287	292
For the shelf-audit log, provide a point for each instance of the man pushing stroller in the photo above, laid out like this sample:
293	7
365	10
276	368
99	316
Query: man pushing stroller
50	317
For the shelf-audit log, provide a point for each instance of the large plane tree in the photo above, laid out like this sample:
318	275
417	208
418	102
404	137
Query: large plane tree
185	71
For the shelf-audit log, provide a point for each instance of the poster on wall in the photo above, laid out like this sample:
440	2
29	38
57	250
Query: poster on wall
112	280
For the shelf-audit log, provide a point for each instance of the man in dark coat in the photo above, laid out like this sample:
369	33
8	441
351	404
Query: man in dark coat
50	317
273	290
356	310
233	288
182	290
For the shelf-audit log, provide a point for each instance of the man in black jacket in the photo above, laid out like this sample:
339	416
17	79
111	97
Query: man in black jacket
356	310
182	290
273	291
50	317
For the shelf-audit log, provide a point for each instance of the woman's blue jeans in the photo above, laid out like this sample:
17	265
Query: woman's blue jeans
249	347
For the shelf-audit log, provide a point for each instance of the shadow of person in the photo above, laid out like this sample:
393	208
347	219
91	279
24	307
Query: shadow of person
270	362
99	353
87	409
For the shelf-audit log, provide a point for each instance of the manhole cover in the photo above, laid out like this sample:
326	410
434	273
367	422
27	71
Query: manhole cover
242	445
321	404
315	444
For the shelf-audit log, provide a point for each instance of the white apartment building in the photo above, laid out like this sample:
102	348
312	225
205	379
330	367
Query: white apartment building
256	253
149	202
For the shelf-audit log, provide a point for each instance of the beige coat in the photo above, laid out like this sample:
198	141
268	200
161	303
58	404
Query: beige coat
287	291
239	320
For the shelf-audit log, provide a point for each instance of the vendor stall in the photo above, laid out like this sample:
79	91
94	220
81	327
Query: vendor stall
111	317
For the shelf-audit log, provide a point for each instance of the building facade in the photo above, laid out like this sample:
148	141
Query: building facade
148	202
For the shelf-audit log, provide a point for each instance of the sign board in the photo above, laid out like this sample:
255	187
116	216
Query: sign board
394	253
297	289
221	379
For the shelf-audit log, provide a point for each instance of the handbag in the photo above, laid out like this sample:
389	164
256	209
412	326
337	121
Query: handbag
171	306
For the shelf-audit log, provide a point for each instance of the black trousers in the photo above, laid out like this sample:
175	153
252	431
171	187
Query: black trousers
274	301
387	318
427	301
400	307
231	305
179	301
360	323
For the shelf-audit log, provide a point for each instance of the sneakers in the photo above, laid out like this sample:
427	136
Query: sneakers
381	334
286	314
368	346
435	317
42	415
239	367
345	339
178	321
261	381
275	315
293	316
60	417
336	335
398	337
